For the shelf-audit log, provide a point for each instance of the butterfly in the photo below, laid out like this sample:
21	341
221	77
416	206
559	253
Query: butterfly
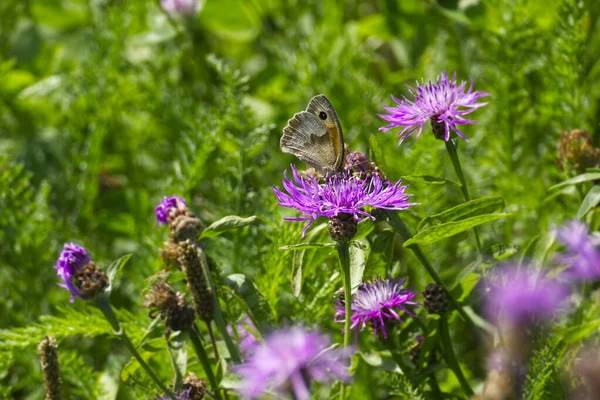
315	137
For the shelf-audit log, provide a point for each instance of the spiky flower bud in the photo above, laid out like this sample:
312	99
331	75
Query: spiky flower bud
196	387
49	363
190	262
342	227
577	152
173	308
436	299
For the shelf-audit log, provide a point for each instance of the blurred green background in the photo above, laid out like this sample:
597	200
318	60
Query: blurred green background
107	106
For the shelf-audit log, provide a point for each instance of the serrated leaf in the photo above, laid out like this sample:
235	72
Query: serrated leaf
304	246
484	205
113	271
258	307
226	224
432	180
587	177
443	231
591	200
358	261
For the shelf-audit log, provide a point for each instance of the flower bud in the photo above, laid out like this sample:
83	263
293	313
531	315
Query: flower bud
190	262
436	299
342	227
80	275
49	363
91	281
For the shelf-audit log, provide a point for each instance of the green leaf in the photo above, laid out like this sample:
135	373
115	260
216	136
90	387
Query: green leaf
439	232
484	205
591	200
113	271
588	176
465	286
258	306
358	261
231	20
377	153
178	352
298	258
502	251
108	383
304	246
574	334
227	223
432	180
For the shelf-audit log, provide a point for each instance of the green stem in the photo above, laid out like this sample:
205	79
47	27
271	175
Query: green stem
216	310
104	305
451	357
401	228
203	358
177	378
397	357
452	151
344	255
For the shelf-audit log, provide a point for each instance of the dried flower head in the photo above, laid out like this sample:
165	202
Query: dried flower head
173	308
339	195
190	262
289	361
582	251
523	296
50	369
435	299
377	301
79	274
577	152
443	103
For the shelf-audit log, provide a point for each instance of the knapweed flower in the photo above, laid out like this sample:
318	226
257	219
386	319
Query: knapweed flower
180	7
376	302
339	195
521	296
168	206
79	274
444	103
582	251
289	361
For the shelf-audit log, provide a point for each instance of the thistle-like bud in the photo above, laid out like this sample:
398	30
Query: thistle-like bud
196	387
173	211
577	152
80	275
342	227
91	281
190	262
359	164
436	299
49	363
173	308
438	128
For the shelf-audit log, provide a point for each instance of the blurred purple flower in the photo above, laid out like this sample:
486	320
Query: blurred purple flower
582	254
519	296
181	395
167	205
376	301
290	360
443	102
339	195
247	340
72	259
180	7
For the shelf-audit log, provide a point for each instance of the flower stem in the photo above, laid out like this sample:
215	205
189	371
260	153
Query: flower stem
104	305
451	357
203	358
401	228
216	310
451	146
344	255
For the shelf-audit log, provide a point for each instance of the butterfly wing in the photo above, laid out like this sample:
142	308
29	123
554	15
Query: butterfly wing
315	136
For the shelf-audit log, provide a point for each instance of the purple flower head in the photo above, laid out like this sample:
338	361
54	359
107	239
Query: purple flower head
520	296
443	102
582	254
168	205
179	7
180	395
377	301
339	195
72	259
289	360
247	339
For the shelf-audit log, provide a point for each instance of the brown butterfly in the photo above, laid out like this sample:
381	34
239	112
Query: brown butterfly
315	137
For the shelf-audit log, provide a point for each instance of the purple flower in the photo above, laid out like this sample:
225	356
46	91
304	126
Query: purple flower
377	301
520	296
181	395
167	206
247	339
339	195
181	7
288	361
442	102
72	259
582	255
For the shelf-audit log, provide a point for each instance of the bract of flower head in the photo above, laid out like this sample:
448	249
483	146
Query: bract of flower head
444	103
521	296
72	259
339	195
375	302
167	206
582	254
289	361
